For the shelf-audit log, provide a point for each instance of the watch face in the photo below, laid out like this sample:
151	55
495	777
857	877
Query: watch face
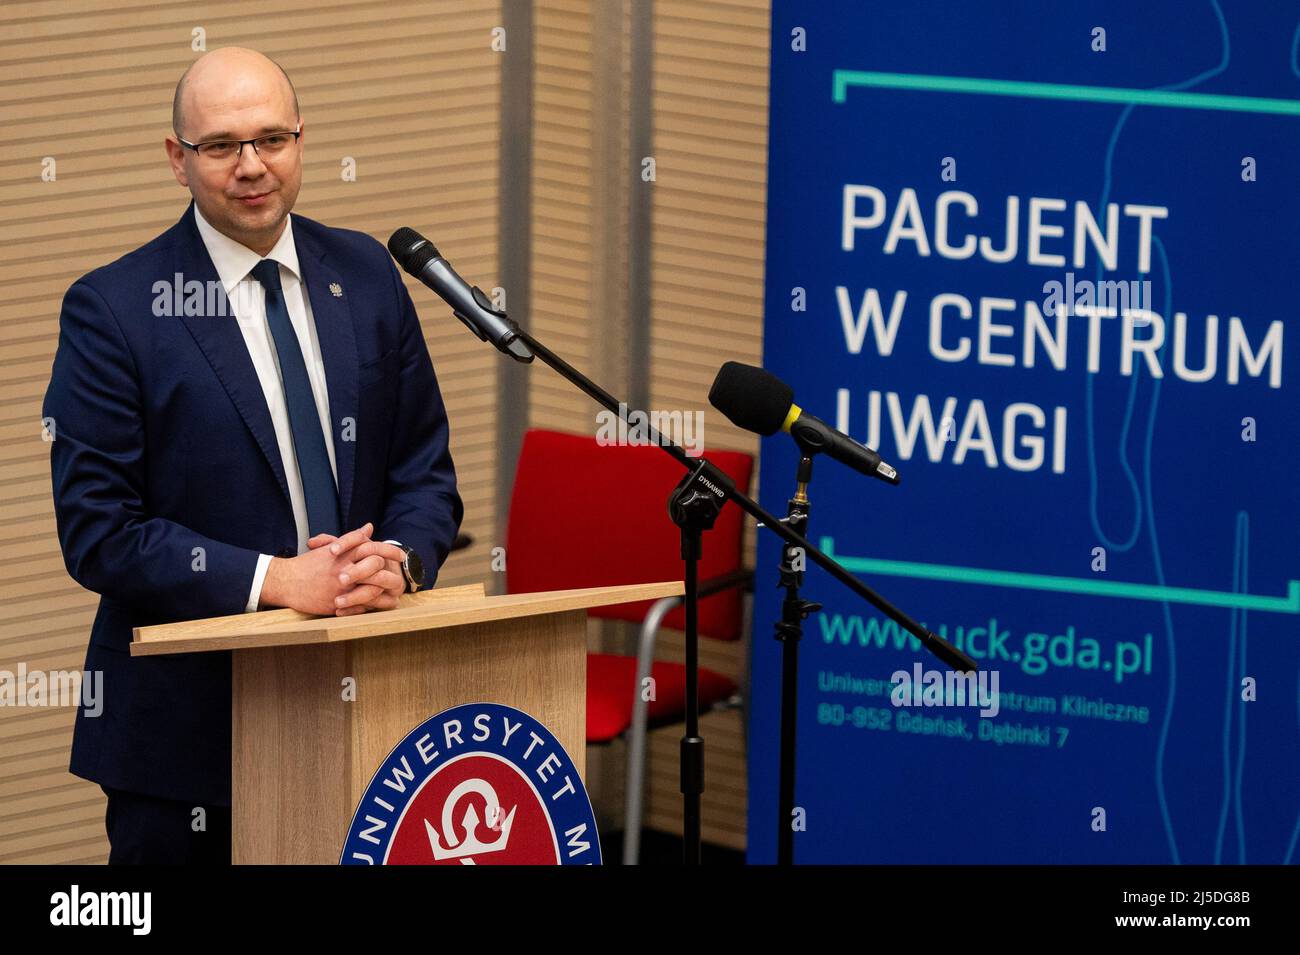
415	567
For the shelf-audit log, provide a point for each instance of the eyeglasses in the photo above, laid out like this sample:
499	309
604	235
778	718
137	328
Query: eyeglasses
228	151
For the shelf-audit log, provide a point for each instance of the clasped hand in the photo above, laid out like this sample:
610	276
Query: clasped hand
338	575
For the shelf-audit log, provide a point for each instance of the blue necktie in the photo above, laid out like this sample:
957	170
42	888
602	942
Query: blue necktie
308	440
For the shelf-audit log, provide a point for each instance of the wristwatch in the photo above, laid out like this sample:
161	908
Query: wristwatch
412	569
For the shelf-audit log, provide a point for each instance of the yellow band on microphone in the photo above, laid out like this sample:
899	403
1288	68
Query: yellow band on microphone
791	417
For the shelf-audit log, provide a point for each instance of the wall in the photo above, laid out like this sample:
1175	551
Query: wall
674	266
90	84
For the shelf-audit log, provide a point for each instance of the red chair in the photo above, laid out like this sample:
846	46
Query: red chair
587	515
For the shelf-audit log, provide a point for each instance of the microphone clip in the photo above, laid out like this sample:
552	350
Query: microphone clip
696	501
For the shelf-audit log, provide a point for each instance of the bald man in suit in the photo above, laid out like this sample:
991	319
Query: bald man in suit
245	416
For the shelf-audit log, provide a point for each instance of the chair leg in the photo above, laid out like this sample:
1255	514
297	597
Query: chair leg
637	732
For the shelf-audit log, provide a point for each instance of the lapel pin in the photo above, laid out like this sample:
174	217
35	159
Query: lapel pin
336	289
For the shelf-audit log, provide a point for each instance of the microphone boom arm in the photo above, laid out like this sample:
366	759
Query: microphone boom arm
942	649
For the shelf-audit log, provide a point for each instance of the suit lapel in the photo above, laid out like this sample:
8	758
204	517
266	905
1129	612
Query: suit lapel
328	294
223	345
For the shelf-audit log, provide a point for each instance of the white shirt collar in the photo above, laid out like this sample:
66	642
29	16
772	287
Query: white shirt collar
234	260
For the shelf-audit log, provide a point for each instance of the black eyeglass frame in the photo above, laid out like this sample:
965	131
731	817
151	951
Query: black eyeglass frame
295	133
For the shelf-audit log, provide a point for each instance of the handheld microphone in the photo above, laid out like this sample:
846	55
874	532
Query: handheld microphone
420	258
758	401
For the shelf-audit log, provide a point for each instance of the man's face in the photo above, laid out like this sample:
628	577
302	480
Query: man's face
246	198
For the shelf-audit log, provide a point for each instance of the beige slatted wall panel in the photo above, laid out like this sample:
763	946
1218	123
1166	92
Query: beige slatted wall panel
409	88
579	236
710	129
562	254
710	148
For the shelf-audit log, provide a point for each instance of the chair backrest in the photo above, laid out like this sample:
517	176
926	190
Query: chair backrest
587	515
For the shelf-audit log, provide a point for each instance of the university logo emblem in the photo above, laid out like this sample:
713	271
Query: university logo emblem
478	784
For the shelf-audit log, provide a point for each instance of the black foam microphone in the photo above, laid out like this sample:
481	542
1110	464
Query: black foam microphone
757	400
420	258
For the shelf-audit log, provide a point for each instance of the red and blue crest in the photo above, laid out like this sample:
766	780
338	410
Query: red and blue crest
478	784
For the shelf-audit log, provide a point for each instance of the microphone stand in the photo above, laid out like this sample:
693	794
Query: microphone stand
693	505
789	631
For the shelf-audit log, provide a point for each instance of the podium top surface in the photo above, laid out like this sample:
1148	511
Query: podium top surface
429	610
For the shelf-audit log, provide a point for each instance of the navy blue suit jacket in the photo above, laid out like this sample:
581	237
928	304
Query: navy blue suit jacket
168	481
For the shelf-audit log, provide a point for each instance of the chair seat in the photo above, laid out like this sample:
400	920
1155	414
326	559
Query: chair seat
611	685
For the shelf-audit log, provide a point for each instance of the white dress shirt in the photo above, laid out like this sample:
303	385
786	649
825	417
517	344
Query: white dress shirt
248	301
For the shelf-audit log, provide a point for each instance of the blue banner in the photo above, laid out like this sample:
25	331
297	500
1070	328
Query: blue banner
1044	258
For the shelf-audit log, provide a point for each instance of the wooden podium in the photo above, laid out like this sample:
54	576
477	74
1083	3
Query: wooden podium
318	702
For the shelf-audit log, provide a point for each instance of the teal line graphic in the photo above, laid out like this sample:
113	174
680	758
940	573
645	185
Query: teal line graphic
841	80
1069	585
